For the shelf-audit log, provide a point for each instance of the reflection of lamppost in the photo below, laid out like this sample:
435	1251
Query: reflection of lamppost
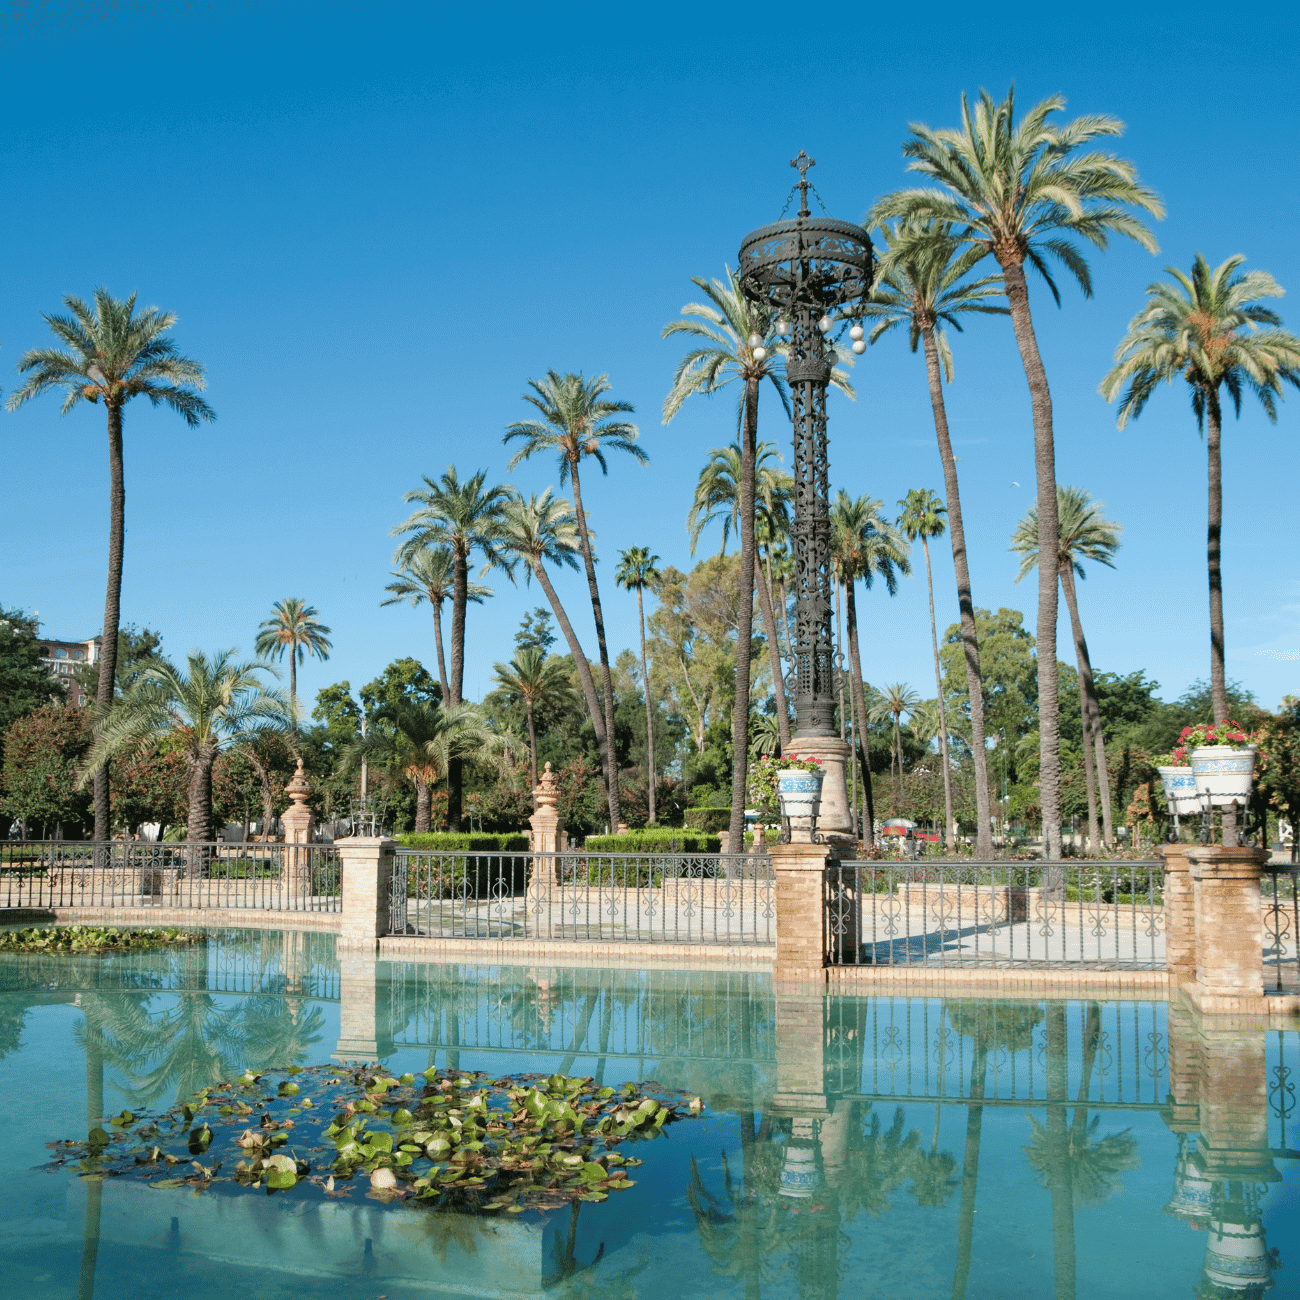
813	272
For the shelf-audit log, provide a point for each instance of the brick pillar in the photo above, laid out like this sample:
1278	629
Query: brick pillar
367	873
1229	925
297	830
800	1053
1234	1106
1180	915
1182	1107
799	871
358	1006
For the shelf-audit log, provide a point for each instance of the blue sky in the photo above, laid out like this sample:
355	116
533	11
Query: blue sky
376	223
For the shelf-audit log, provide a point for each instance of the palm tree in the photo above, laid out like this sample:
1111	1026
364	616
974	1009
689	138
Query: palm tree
1204	328
577	421
636	571
542	530
922	283
897	699
429	574
113	355
1085	534
864	545
294	626
922	518
737	342
717	496
464	517
212	704
1020	192
535	680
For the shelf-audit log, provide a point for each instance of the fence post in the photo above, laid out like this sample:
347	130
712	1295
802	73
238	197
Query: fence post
799	884
1229	924
358	1007
1180	914
367	871
547	834
296	820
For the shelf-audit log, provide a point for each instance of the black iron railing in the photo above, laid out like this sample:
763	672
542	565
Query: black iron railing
612	897
1099	914
1280	892
187	874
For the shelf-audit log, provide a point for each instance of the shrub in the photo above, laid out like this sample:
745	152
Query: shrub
452	840
656	839
708	819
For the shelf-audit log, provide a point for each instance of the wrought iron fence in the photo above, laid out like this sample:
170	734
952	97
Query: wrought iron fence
1280	892
611	897
1097	914
188	874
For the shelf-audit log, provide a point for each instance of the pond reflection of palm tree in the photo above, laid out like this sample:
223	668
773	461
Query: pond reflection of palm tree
932	1171
276	1033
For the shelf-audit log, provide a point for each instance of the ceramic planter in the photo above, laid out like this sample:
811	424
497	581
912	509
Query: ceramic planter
799	792
1223	772
1236	1256
1180	790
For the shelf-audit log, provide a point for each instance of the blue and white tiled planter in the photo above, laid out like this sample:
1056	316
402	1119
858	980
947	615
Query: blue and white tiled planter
799	792
1180	790
1224	772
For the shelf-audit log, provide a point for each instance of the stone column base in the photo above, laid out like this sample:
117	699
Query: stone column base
834	821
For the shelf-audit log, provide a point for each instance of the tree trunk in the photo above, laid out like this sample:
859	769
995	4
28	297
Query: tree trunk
860	705
1049	744
1089	768
456	684
421	806
965	602
532	744
112	605
293	685
611	758
649	709
785	619
1060	1184
898	758
1214	542
970	1169
773	653
744	624
950	829
1092	708
437	636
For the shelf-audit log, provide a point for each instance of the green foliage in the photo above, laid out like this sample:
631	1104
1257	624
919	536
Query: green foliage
151	787
487	843
43	755
94	938
25	682
656	839
403	683
708	819
137	649
535	631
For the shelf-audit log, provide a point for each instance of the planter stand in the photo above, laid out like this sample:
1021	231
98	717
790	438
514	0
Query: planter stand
799	794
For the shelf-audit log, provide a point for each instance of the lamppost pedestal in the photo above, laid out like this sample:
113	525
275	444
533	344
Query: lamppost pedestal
834	820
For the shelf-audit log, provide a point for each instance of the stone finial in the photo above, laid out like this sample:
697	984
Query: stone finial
299	788
547	791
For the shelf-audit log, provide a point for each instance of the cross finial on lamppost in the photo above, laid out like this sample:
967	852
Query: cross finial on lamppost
803	162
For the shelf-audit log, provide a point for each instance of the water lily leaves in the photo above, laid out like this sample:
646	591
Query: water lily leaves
288	1089
402	1117
200	1139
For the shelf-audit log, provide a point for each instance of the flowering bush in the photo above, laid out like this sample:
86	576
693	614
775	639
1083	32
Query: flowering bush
763	775
1209	733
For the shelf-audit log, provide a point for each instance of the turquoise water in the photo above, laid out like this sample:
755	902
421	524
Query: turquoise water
849	1146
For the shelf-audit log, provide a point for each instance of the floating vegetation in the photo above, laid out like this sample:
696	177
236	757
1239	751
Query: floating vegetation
443	1139
93	938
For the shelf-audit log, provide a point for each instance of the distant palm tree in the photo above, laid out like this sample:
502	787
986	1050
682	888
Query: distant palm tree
295	627
864	545
635	572
114	355
1086	534
464	517
212	704
923	282
897	699
577	421
542	530
429	574
535	681
1204	329
1020	191
922	518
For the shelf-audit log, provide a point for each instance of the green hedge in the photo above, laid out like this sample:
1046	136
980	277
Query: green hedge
708	819
656	839
486	843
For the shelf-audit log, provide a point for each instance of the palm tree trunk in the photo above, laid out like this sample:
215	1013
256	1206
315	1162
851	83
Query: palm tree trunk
744	623
649	710
1061	1183
611	770
1218	678
459	601
950	830
785	618
293	685
532	744
860	705
112	604
94	1186
1089	768
422	806
1091	707
898	756
1040	397
965	603
970	1169
437	636
773	652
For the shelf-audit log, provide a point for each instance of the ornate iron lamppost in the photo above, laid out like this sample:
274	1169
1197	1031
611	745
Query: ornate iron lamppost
814	272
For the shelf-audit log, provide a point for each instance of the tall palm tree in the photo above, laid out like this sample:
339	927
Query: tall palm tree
464	517
534	680
923	282
577	421
429	574
922	518
717	497
542	530
1024	192
295	627
737	342
212	704
112	356
1205	329
1085	534
864	545
635	572
897	699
